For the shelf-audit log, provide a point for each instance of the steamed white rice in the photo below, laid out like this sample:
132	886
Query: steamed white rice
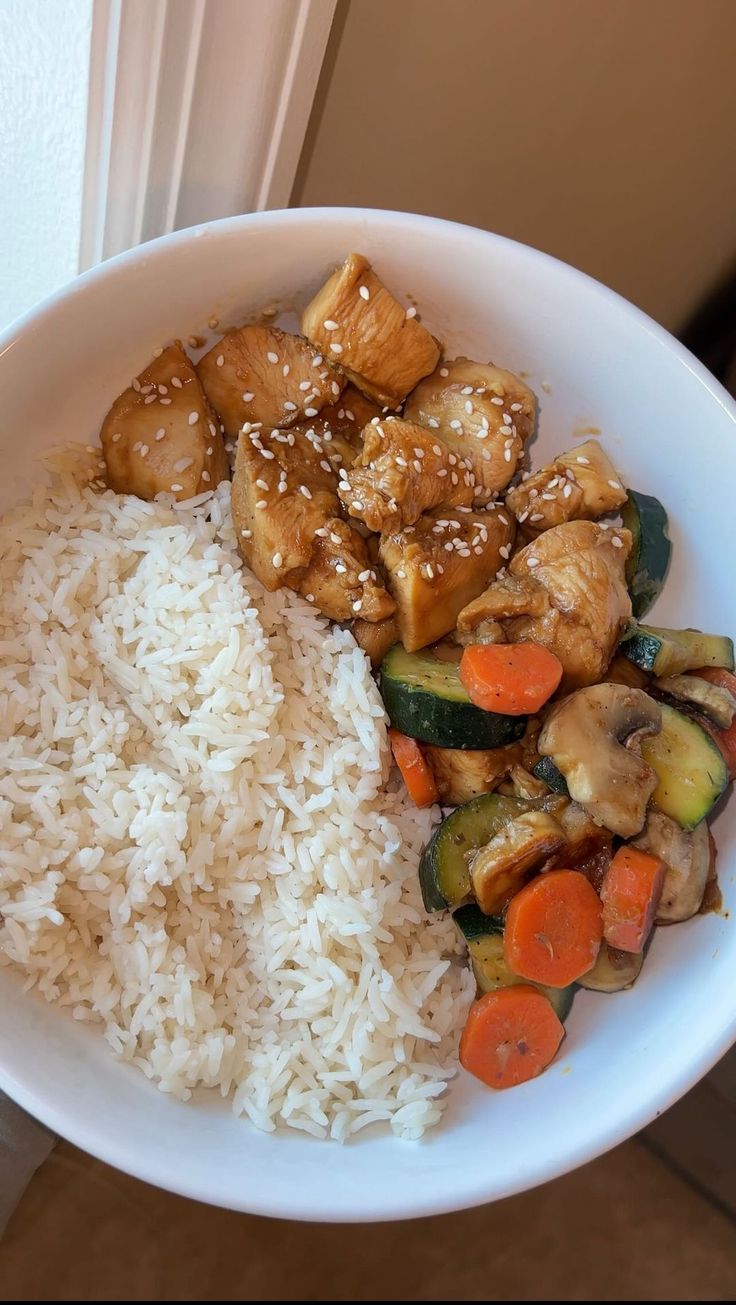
198	846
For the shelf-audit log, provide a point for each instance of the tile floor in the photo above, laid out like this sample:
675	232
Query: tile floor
626	1227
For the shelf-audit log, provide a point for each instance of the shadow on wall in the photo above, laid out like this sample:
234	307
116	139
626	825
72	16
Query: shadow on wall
711	334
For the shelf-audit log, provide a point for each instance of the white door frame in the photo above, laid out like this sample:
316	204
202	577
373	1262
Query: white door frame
197	109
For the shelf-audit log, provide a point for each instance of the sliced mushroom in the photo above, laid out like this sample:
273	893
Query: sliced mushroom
714	701
586	737
687	857
499	869
613	971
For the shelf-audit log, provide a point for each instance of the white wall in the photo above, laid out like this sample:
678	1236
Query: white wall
44	67
599	130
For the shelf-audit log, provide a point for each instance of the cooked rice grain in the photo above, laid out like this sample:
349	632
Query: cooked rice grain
197	843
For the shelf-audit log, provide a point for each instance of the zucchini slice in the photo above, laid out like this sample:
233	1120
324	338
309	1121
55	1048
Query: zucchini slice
444	868
670	652
692	772
613	971
425	698
547	771
485	945
646	566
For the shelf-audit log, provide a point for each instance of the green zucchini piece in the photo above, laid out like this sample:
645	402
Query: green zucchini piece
613	971
444	868
692	772
425	698
547	771
670	652
474	924
492	972
646	566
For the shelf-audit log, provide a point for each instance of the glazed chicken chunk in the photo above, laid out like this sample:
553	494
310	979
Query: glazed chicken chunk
402	471
578	486
484	413
286	517
567	591
161	436
437	565
264	376
358	325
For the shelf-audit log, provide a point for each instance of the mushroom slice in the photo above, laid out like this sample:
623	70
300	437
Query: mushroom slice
586	734
613	971
499	869
484	413
356	323
687	857
714	701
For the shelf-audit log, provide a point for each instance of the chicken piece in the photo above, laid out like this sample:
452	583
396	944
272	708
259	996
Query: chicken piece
464	773
286	516
340	580
578	486
566	590
435	566
402	471
265	376
356	323
161	435
483	412
376	637
340	426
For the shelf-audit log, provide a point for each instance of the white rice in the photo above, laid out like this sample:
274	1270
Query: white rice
198	844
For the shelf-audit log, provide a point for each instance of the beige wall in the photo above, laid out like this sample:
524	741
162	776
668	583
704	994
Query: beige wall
603	131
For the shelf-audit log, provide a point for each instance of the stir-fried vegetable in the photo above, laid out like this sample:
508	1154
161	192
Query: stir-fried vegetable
515	678
646	565
554	928
630	895
425	698
511	1035
670	652
416	773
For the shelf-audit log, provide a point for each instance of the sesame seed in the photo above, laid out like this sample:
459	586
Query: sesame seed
248	396
456	425
247	534
277	559
183	463
335	389
267	454
468	406
429	571
163	389
136	383
554	481
504	520
533	561
537	516
334	537
452	460
261	503
401	462
419	453
364	292
341	568
329	325
444	371
504	550
401	573
506	454
210	451
317	360
453	478
433	422
357	605
417	466
310	412
309	598
325	465
507	418
144	452
193	418
220	359
585	461
306	492
364	575
478	550
485	423
205	475
615	484
272	357
117	436
549	497
289	406
229	447
165	401
484	453
322	532
176	382
567	491
442	471
282	487
285	369
136	446
523	516
151	398
616	541
516	407
336	348
357	505
157	352
505	430
467	389
176	488
262	484
497	401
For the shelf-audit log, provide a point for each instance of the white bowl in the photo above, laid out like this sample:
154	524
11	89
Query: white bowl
594	360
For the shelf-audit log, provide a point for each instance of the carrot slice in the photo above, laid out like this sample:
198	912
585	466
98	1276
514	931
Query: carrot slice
724	739
511	1035
554	928
416	773
630	895
513	678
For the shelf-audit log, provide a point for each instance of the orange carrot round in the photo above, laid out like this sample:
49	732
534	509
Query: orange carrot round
416	773
630	894
513	678
511	1035
725	739
553	929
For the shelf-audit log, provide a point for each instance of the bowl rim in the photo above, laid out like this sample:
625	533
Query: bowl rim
104	1144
